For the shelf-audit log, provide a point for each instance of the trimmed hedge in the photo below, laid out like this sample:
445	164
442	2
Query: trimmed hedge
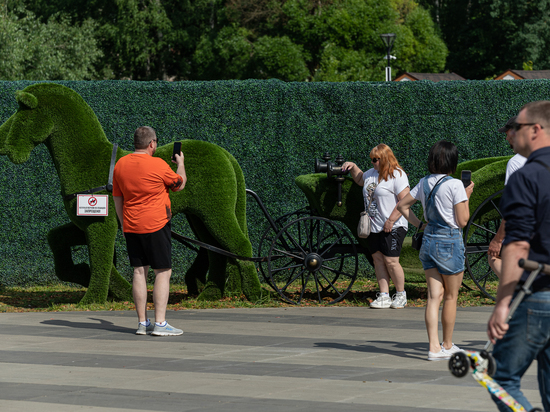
273	129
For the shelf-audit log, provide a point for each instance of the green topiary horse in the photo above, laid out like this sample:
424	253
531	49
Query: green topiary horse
213	200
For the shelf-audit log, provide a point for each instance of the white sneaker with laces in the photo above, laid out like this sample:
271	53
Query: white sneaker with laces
399	301
441	355
452	350
381	302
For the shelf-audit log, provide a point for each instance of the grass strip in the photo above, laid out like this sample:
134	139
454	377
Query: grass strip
63	297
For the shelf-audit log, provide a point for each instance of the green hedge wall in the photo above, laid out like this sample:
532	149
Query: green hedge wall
274	129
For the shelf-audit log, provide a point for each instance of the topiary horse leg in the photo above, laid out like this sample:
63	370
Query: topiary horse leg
249	279
233	283
220	274
100	236
61	239
195	277
119	288
232	239
215	284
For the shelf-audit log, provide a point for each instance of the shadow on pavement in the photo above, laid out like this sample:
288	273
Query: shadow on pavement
102	325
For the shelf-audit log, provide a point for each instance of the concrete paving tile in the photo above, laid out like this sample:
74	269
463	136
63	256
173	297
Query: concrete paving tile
19	406
297	359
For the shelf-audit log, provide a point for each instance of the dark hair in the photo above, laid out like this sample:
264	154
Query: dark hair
443	158
143	136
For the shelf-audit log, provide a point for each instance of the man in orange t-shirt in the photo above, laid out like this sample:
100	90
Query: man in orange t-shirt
140	192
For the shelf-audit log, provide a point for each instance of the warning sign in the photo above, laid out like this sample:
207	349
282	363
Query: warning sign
92	205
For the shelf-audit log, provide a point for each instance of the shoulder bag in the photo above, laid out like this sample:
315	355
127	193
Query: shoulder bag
365	222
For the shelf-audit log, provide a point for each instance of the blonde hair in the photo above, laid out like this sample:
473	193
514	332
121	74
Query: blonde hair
388	163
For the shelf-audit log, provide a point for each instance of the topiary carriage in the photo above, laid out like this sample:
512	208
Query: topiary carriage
324	195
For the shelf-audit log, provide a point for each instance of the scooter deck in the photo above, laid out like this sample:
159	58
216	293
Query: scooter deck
480	367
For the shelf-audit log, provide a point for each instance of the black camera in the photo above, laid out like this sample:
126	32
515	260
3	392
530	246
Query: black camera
333	170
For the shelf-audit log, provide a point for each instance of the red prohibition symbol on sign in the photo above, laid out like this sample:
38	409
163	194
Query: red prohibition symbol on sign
92	201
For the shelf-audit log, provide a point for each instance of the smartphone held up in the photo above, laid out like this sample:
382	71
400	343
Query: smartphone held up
177	150
466	177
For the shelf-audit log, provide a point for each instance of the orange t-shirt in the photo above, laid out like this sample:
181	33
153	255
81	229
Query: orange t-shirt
144	181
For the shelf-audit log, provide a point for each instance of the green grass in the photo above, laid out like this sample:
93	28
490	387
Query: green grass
59	297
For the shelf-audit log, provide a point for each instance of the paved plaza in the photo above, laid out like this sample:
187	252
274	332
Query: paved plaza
285	359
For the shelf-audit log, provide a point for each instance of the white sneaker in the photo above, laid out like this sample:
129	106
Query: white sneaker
399	301
441	355
381	302
454	349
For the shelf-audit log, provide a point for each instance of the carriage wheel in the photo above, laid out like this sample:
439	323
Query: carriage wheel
269	235
480	230
312	257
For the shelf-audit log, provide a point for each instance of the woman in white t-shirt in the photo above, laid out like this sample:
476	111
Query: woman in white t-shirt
446	209
383	186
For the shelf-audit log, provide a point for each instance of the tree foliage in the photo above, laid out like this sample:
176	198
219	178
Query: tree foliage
487	37
293	40
51	50
339	40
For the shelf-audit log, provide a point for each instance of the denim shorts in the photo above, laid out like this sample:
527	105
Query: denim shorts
442	249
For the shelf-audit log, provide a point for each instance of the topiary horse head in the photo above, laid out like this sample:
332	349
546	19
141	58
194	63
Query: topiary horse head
213	199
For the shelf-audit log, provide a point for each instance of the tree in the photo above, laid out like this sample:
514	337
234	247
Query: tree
337	40
487	37
144	39
293	40
54	50
135	40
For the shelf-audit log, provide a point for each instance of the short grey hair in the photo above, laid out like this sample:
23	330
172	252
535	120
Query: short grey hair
143	136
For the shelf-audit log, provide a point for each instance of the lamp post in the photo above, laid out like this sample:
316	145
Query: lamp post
388	39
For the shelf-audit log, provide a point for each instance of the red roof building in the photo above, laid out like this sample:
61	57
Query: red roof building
524	74
434	77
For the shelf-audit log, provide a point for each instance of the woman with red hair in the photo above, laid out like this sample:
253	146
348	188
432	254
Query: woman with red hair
383	187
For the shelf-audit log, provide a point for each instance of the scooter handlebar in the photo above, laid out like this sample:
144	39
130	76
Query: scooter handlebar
532	265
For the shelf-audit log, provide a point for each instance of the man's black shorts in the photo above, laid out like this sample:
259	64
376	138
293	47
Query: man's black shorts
150	249
389	244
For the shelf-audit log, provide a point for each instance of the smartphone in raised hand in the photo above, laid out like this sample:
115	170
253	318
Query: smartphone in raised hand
177	150
466	177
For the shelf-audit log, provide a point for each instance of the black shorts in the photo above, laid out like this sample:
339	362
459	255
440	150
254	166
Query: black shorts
150	249
389	244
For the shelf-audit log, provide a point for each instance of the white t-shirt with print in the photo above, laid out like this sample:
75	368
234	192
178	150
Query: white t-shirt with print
515	163
385	197
450	193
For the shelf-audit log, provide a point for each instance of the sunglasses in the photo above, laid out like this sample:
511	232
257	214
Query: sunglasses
374	159
516	126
